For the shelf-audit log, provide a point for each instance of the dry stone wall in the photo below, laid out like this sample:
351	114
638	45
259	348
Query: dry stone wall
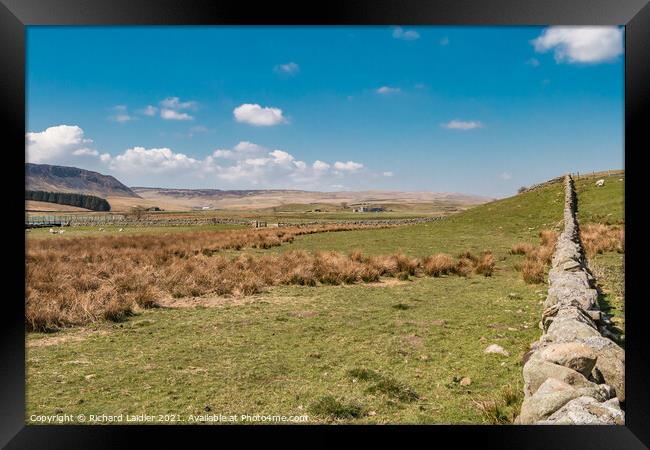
123	220
573	374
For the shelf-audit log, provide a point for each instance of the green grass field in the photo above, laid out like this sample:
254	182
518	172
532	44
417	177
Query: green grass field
606	205
303	350
80	231
296	212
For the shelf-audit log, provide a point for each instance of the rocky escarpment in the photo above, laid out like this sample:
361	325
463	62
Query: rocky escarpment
48	178
574	374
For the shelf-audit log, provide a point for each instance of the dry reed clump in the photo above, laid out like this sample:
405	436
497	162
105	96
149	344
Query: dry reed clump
537	256
405	264
464	267
532	270
440	264
598	238
74	281
485	264
521	248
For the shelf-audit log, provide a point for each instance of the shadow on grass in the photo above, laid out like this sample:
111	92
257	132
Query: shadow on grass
618	335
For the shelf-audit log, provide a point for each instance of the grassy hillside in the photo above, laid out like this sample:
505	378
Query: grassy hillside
494	226
606	205
389	352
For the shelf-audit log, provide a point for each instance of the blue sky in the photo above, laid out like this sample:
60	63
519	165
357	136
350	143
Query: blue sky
480	110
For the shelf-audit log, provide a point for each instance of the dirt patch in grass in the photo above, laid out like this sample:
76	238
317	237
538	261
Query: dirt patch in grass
219	301
389	282
414	340
58	338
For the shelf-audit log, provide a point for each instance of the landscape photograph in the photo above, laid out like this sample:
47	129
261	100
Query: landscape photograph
345	225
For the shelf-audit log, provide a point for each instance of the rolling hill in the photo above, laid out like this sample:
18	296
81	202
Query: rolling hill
270	198
44	177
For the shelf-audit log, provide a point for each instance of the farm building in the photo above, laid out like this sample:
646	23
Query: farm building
366	208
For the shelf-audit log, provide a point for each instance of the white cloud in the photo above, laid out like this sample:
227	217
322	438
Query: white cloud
505	176
290	68
243	150
121	114
257	162
56	144
388	174
223	153
248	147
320	166
406	35
121	118
581	44
245	164
349	166
176	103
387	90
254	114
170	114
149	110
462	125
281	157
153	160
85	152
172	109
252	164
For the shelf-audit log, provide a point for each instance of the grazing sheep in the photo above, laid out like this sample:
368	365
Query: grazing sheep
120	230
61	231
52	230
600	183
101	229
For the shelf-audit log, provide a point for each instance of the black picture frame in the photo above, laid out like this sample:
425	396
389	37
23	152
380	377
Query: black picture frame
16	14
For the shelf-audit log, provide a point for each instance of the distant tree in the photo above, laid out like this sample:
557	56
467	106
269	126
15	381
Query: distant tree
521	189
70	198
344	205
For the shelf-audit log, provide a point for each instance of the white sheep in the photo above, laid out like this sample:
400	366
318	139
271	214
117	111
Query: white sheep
600	182
52	230
61	231
120	230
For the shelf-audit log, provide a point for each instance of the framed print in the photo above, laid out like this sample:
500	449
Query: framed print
359	213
